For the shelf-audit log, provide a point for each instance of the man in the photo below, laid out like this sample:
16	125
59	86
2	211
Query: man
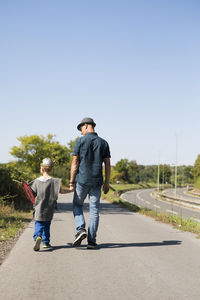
90	152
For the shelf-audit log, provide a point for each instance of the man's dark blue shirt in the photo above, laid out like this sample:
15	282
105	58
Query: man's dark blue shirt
92	150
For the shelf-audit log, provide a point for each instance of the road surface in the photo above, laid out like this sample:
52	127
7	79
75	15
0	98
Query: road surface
144	198
138	258
182	194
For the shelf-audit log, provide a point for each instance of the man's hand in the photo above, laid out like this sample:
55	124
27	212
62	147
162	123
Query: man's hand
74	168
72	187
106	188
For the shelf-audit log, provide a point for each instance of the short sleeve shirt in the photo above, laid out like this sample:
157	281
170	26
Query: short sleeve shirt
46	195
92	150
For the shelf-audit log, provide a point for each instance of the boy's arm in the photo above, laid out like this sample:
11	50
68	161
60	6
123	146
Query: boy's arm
107	175
74	169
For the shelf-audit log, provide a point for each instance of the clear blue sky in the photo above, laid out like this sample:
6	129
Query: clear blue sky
134	66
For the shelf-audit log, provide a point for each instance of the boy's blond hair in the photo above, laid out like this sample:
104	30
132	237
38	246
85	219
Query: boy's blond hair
47	164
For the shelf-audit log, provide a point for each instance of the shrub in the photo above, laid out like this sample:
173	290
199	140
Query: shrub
10	191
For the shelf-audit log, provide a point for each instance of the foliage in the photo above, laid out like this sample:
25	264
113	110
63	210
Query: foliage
114	176
10	191
164	174
188	176
196	172
133	172
126	171
146	173
34	148
197	183
122	168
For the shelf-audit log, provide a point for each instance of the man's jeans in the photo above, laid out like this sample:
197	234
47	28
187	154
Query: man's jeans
80	194
42	228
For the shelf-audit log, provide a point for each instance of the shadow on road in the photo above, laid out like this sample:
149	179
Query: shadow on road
105	208
115	245
150	244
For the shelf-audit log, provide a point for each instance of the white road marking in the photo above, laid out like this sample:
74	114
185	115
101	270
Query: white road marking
147	202
138	196
172	212
156	206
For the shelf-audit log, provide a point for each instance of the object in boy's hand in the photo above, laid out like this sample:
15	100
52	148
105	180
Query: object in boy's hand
28	191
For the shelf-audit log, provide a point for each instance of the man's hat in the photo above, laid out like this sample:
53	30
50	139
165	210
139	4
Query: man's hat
86	121
47	162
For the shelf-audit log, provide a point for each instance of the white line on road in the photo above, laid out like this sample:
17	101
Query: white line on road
138	196
147	202
172	212
156	206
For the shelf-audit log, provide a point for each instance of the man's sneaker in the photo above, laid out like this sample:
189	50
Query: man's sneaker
92	245
47	245
81	235
37	244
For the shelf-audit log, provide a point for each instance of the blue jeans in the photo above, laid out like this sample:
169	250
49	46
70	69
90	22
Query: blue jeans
42	228
80	194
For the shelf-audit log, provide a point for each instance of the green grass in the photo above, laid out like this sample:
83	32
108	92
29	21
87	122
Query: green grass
12	221
188	225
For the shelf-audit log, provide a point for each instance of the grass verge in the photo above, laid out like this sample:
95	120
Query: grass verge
188	225
12	221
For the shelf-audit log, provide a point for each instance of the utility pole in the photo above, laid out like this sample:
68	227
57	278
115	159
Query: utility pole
158	177
176	165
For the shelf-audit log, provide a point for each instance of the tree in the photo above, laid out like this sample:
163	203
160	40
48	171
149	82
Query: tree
34	148
126	171
188	176
122	168
197	167
165	174
133	172
197	172
146	173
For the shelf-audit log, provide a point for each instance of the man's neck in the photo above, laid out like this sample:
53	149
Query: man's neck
90	131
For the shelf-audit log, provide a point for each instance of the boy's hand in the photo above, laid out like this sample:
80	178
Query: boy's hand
72	187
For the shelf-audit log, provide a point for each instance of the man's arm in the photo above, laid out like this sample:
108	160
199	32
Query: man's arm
107	175
74	169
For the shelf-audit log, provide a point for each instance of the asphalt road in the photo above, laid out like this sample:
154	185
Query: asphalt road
144	198
182	194
138	258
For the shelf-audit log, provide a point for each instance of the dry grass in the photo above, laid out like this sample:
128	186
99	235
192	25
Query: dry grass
11	221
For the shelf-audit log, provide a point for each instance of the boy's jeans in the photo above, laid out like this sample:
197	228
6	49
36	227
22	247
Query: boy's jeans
42	228
80	194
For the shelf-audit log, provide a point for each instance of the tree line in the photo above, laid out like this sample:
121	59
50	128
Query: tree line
32	149
131	172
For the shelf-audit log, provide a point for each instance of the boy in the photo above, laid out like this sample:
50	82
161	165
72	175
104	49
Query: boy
46	189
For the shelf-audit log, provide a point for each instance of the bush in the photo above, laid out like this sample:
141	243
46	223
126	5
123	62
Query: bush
10	191
197	183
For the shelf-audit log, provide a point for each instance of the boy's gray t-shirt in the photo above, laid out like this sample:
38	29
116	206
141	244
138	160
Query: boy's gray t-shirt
46	191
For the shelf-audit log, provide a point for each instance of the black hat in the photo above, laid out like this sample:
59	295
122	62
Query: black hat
86	121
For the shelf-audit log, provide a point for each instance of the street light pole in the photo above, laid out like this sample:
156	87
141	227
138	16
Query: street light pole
176	164
158	177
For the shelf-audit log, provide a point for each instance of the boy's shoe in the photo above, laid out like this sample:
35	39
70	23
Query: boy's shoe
92	245
37	243
81	235
47	245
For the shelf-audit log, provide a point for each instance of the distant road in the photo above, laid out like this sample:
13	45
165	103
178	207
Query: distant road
144	198
182	193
